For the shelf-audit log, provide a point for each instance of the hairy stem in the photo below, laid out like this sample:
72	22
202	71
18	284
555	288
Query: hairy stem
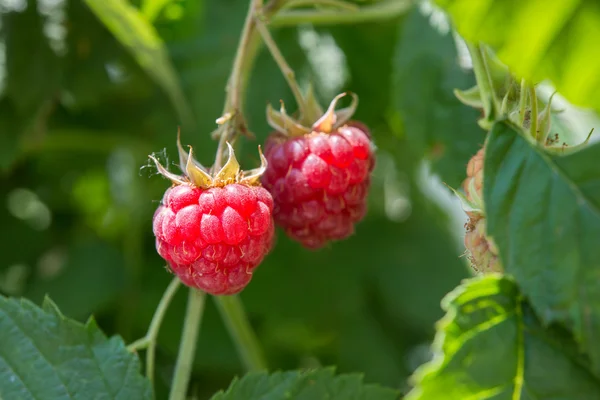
379	11
234	316
236	84
286	70
339	4
486	89
522	102
533	118
187	347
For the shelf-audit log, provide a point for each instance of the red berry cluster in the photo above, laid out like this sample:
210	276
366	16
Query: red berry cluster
215	227
319	182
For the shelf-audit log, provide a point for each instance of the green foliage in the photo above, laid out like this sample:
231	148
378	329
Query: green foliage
78	119
535	38
544	213
106	271
47	356
490	345
304	385
32	79
435	122
142	40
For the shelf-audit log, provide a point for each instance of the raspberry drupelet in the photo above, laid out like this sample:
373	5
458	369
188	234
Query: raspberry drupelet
319	177
214	230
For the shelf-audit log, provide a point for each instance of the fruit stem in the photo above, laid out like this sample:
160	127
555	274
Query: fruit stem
379	11
246	342
285	68
149	341
533	118
187	347
488	96
236	84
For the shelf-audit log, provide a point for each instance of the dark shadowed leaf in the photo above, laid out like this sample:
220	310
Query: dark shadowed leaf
436	123
304	385
135	33
32	67
491	346
544	213
92	275
45	356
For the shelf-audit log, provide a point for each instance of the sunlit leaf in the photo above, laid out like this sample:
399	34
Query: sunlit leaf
539	39
490	345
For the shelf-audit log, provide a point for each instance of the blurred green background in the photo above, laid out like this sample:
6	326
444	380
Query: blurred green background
79	116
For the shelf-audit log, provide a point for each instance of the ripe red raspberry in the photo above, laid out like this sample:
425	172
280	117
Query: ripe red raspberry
319	177
214	231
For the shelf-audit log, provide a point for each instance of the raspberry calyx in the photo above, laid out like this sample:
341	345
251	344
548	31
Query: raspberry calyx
214	226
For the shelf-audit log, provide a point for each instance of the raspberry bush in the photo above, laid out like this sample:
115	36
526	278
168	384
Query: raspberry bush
437	239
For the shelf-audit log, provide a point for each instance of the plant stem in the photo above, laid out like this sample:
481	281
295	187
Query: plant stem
483	82
522	102
534	113
286	70
248	45
237	82
187	347
495	101
157	318
155	324
339	4
379	11
234	316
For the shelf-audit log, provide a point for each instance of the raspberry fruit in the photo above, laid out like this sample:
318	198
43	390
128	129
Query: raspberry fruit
482	249
473	185
213	230
319	176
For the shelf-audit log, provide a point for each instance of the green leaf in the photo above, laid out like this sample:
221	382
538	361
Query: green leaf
491	346
539	39
32	68
304	385
90	277
46	356
370	67
141	39
436	123
151	9
544	213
